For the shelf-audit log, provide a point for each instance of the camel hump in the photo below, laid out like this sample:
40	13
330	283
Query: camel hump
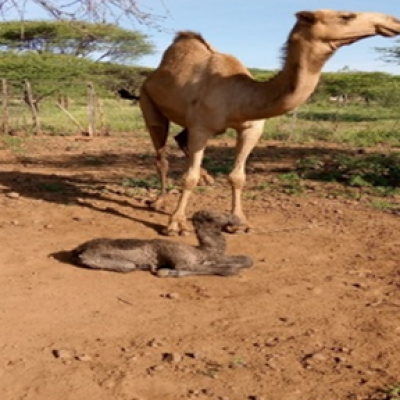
193	36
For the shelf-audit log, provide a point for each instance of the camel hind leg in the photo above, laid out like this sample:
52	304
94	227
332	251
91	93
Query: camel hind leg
181	140
158	127
92	256
224	266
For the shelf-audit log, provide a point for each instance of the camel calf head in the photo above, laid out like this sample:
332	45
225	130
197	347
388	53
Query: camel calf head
334	29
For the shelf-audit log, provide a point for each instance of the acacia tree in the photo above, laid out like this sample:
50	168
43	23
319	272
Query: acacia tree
390	54
82	39
91	10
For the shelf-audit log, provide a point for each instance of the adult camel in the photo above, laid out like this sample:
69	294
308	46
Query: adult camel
206	92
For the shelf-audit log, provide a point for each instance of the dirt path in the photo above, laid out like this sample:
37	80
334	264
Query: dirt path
317	318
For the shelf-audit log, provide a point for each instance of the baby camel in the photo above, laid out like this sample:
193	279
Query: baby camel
207	92
166	258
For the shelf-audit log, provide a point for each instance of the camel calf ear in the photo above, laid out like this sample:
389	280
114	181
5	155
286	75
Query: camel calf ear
307	17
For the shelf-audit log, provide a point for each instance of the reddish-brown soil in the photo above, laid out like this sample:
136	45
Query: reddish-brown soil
316	318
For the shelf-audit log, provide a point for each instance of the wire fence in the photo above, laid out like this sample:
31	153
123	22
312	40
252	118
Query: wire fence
52	111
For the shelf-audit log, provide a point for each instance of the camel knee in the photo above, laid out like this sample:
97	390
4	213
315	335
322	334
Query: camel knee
191	180
162	164
237	179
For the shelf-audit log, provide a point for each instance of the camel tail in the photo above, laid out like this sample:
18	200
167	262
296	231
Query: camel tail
194	36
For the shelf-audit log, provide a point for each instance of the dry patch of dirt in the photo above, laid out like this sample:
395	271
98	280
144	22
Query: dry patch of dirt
316	318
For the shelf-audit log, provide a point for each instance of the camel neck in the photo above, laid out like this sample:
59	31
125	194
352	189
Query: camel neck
290	87
211	240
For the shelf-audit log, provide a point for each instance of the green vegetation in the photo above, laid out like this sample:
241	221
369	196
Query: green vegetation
369	117
390	393
150	183
394	392
390	54
374	175
218	167
77	38
373	170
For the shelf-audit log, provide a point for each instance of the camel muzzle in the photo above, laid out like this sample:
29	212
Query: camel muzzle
388	32
389	29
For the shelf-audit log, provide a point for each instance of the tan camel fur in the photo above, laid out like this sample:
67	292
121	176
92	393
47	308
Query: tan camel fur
207	92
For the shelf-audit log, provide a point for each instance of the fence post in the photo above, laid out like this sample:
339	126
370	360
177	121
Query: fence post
32	106
5	106
91	95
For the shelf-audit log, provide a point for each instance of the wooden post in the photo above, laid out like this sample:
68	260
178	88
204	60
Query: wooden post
32	106
5	106
91	109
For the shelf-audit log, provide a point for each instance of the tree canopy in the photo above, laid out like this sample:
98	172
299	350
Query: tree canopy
98	41
94	11
390	54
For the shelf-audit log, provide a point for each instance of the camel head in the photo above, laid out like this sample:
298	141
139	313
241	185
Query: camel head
215	220
333	29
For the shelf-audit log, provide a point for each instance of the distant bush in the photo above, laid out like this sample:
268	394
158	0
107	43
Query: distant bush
68	73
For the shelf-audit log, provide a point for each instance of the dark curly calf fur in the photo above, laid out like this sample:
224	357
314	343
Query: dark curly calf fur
165	257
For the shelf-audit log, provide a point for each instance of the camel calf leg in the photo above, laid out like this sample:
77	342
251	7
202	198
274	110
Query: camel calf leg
224	266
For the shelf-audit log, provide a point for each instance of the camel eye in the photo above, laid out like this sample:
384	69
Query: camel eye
348	17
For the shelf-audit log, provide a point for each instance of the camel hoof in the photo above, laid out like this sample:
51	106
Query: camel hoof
237	229
169	232
172	232
176	228
232	229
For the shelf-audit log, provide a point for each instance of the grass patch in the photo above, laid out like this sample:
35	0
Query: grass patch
217	167
94	161
140	183
384	205
353	124
15	144
381	171
262	186
390	393
394	392
291	183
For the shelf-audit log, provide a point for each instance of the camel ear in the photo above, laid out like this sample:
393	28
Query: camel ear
307	17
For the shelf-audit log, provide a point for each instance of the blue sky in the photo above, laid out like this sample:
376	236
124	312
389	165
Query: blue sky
254	30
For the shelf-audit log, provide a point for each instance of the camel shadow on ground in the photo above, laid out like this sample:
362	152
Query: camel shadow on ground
67	190
92	171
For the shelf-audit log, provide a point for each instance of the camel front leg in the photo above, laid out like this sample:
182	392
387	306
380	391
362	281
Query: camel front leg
248	137
196	146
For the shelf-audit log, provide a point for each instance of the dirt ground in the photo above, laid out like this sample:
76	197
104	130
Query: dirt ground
316	318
